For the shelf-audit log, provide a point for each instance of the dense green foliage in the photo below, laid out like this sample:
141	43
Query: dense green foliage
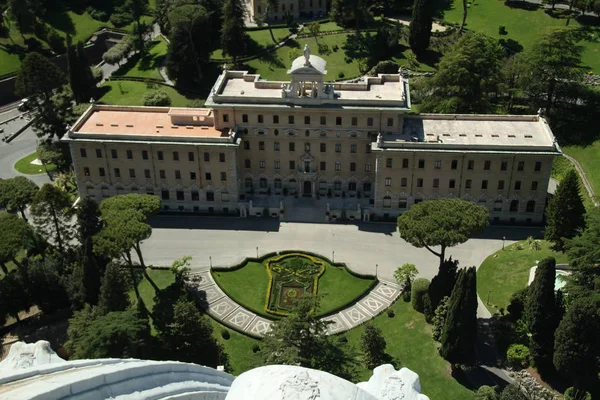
81	80
13	234
16	194
518	356
51	213
418	293
158	98
233	36
420	26
113	291
351	13
439	318
372	344
442	284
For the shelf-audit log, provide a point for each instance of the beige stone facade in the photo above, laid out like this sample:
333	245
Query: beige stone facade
351	146
299	9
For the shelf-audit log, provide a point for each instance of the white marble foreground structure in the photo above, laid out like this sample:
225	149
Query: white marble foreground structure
34	371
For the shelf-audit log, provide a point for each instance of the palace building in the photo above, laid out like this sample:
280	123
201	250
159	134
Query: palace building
298	9
312	150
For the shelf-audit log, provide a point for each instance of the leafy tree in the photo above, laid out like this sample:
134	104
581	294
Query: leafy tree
137	8
487	393
113	291
348	13
518	356
52	215
405	274
442	284
13	297
301	339
584	257
13	234
466	76
372	344
541	314
420	26
444	223
147	204
17	193
38	78
55	152
158	98
460	329
233	34
512	392
551	64
315	29
565	211
45	284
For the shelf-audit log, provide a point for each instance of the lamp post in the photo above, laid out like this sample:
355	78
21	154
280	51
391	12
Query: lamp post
503	239
333	256
256	251
210	258
376	267
488	299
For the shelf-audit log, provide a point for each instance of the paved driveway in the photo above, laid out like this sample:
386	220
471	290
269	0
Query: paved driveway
228	240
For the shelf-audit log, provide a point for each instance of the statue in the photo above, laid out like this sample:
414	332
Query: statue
306	55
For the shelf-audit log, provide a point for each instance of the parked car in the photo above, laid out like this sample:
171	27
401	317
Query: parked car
23	105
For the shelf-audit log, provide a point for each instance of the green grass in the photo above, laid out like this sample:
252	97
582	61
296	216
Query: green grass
147	67
25	166
589	158
524	26
129	93
161	278
506	271
409	341
327	27
259	41
248	286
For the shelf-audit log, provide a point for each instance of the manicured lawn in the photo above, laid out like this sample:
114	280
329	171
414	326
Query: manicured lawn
161	278
129	93
589	158
327	27
506	271
249	284
25	166
259	41
148	66
409	341
524	26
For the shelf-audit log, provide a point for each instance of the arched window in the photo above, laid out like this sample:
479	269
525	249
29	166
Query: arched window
514	206
387	202
263	183
248	183
530	206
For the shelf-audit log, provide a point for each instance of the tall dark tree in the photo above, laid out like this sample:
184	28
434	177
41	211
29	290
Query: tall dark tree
13	297
81	79
584	257
13	236
38	77
233	34
460	328
137	8
420	26
17	193
372	344
442	284
45	283
351	13
114	289
52	215
542	314
565	211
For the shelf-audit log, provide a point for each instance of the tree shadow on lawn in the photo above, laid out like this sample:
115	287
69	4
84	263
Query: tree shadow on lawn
522	5
430	58
441	6
61	21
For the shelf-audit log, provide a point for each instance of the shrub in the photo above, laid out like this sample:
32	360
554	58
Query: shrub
391	313
518	356
255	348
343	339
97	14
341	75
577	394
502	30
225	334
385	67
121	19
517	304
97	74
418	290
335	47
157	98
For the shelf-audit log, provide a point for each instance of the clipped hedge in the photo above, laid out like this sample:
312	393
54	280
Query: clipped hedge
419	289
517	356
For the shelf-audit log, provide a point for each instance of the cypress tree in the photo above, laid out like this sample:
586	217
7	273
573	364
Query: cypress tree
88	84
233	35
541	314
420	26
113	292
565	212
460	329
442	284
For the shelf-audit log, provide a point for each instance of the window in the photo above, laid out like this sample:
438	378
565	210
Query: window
368	167
454	164
403	182
262	183
290	119
402	203
451	183
368	148
162	174
387	202
538	167
470	164
221	157
259	118
514	206
225	117
484	184
323	120
277	164
210	196
113	153
487	165
338	121
195	196
292	165
261	164
117	173
405	163
247	163
248	183
275	146
437	164
388	163
390	122
337	185
370	121
530	206
354	121
388	181
245	118
223	176
246	145
275	119
420	182
503	165
307	120
83	152
175	156
352	148
208	176
468	184
323	166
338	148
131	173
367	187
277	183
177	174
323	147
518	185
206	157
192	175
352	186
500	185
421	164
261	145
534	185
147	173
498	205
338	166
160	156
165	194
144	154
180	195
292	146
129	155
86	171
436	183
352	167
101	171
190	156
521	166
98	153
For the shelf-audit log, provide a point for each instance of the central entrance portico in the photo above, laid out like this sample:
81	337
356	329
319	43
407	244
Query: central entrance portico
307	189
